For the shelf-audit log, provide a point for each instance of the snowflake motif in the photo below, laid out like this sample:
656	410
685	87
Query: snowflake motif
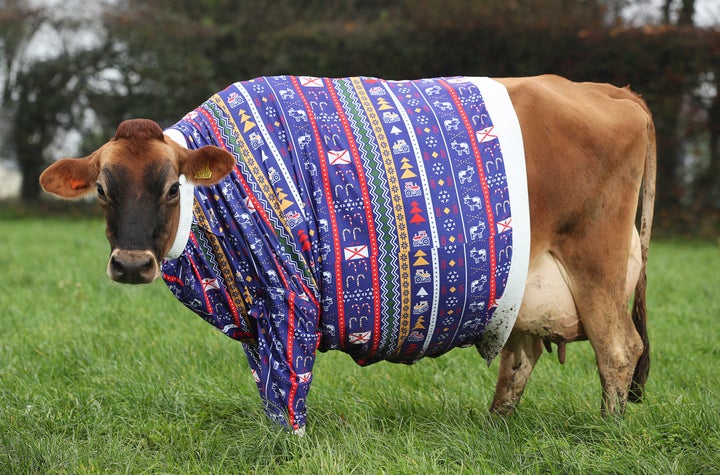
438	168
258	88
281	135
473	98
449	225
413	102
453	276
452	301
443	196
270	111
431	142
423	120
404	90
325	117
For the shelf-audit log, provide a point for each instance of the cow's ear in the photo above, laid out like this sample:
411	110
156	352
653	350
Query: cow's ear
206	165
71	177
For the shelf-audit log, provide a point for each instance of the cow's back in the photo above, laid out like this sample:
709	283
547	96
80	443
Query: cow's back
582	153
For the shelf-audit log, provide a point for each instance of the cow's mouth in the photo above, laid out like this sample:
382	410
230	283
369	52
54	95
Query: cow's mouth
133	267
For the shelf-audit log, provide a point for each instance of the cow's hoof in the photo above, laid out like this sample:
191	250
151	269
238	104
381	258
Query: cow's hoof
503	408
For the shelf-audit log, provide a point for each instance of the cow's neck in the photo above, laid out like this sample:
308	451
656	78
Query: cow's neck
187	198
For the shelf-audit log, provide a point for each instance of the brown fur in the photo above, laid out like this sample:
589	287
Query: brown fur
139	129
588	147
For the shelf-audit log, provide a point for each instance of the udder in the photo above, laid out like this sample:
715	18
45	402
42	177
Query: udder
548	309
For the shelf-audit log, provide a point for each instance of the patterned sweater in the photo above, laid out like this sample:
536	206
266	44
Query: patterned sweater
364	215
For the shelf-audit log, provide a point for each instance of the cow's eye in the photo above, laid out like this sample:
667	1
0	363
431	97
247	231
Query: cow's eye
174	191
100	192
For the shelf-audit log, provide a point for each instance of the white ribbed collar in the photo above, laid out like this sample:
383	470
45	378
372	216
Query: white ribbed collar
187	198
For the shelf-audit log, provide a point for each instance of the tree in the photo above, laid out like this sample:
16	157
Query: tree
50	99
685	12
44	91
18	23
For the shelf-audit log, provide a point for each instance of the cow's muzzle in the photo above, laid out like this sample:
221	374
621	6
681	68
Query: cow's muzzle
133	267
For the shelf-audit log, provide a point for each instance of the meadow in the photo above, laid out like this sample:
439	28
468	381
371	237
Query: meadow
96	377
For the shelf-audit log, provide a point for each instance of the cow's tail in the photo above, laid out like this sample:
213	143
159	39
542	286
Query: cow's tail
639	309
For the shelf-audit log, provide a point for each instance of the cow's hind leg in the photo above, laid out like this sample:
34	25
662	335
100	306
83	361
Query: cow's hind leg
617	347
517	361
598	288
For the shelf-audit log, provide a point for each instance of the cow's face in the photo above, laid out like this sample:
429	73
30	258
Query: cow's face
136	177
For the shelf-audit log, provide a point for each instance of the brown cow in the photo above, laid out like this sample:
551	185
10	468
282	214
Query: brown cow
590	152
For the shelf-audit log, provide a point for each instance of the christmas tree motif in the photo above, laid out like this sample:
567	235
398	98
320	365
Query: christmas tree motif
304	240
284	203
245	119
383	104
408	173
420	261
415	211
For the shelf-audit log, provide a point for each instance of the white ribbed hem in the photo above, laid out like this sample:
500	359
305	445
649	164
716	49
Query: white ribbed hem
507	128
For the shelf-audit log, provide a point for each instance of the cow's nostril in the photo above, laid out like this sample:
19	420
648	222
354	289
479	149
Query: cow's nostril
132	267
148	266
117	268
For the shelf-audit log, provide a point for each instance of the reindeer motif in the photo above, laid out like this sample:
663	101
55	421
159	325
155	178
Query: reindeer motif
287	94
432	90
311	168
304	141
478	284
298	115
465	176
473	202
462	148
479	255
476	232
277	391
451	124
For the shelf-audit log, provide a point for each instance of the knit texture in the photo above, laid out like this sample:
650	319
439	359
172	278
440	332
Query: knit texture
364	215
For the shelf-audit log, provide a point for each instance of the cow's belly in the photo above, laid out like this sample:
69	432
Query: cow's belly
548	309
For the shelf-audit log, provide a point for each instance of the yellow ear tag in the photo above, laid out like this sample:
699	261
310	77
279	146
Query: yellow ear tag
204	173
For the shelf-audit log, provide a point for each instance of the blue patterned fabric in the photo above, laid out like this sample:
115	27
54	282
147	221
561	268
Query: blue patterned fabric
363	215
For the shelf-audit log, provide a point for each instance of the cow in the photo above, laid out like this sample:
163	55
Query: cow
587	156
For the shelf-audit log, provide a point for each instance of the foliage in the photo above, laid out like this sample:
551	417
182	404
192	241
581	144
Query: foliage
163	57
98	377
586	40
43	95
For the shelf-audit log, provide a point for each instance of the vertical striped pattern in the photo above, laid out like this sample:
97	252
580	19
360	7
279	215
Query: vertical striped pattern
364	215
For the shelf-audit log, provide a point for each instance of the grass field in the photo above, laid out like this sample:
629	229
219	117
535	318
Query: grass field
101	378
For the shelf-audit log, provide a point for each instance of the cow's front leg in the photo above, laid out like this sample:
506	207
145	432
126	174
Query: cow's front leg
517	361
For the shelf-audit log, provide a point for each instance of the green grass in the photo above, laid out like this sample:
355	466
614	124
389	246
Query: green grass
101	378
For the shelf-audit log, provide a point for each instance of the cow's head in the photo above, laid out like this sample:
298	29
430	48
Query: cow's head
137	176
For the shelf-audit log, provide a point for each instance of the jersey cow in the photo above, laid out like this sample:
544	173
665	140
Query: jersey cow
392	220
